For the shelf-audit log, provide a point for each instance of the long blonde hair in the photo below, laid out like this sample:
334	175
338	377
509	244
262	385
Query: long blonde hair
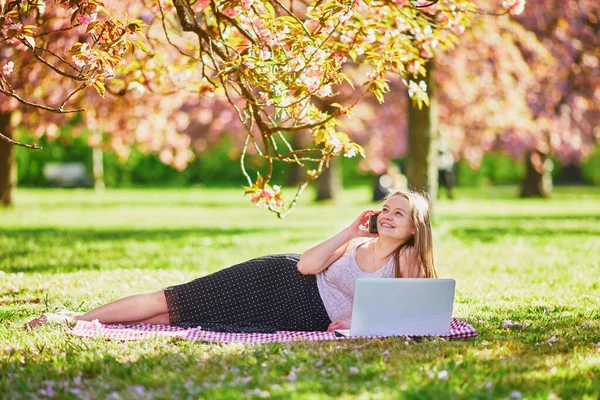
421	243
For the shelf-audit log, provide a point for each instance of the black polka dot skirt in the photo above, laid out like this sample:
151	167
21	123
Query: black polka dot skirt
266	294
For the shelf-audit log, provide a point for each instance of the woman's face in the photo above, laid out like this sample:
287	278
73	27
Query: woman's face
395	219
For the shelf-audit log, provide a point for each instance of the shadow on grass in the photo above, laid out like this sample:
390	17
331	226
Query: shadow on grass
92	235
66	250
496	233
524	218
139	203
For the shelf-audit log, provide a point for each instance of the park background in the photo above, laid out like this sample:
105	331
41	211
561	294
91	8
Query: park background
527	269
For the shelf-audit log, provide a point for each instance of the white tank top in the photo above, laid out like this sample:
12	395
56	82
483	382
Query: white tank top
336	283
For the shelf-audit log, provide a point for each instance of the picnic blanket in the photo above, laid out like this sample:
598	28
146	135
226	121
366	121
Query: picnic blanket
458	329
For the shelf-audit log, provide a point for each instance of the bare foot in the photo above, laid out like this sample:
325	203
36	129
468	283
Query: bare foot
51	318
69	313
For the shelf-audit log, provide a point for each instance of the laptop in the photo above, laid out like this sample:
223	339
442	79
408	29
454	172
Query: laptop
401	307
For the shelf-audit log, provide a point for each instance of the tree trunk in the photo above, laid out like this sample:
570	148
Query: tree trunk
329	184
421	157
7	176
538	180
296	174
98	169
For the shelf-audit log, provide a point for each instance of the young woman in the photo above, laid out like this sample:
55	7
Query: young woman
312	292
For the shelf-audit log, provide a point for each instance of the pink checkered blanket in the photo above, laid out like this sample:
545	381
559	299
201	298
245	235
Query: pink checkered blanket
458	329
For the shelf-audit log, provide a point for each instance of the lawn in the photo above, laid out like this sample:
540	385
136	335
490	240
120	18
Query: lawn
534	262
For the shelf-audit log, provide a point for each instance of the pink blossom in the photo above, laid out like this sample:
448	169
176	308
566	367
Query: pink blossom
79	63
4	29
336	144
458	29
351	152
432	9
276	204
8	68
87	19
425	53
49	392
267	193
232	12
413	67
17	26
324	91
370	36
265	53
347	38
138	390
400	3
312	24
292	376
311	86
441	17
511	324
514	7
338	57
200	5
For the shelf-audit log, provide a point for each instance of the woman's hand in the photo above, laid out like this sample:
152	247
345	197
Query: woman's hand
359	226
339	324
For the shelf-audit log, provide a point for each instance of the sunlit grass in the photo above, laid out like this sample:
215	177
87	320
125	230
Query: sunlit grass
535	262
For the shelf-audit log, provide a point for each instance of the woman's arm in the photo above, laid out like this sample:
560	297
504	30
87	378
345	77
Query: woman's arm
318	258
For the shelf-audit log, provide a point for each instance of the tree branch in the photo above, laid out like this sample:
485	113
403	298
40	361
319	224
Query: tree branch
29	146
40	106
52	67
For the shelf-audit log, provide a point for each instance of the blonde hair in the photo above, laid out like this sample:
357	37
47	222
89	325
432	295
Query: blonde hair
419	247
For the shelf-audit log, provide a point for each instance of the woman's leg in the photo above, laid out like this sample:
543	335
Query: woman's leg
130	309
133	308
160	319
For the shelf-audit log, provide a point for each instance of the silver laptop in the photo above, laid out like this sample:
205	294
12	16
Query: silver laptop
401	307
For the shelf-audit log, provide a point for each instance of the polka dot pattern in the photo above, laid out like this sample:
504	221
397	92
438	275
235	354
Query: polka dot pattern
266	294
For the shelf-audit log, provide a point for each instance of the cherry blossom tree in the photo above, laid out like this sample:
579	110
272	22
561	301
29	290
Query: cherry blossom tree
272	60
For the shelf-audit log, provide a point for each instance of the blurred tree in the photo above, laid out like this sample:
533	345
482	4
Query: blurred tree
525	84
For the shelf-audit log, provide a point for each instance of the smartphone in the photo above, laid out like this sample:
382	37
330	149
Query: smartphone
373	223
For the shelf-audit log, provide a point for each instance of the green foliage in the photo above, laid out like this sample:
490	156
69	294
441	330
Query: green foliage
217	166
591	167
495	169
30	164
531	262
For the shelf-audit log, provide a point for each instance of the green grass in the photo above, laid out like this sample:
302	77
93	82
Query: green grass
531	261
